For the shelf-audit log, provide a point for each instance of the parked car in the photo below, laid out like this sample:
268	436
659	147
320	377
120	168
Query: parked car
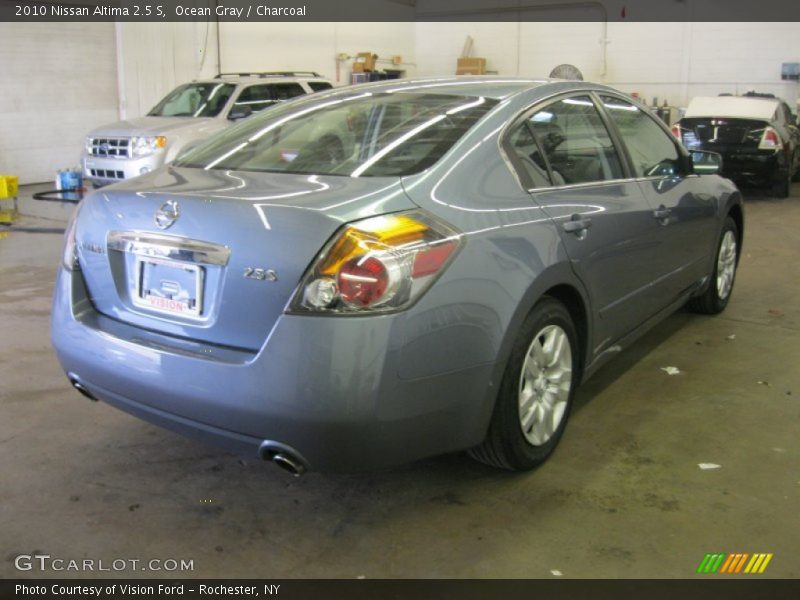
187	115
443	281
756	134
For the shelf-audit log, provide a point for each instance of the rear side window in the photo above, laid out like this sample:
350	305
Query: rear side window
575	142
528	156
257	97
318	86
652	150
286	91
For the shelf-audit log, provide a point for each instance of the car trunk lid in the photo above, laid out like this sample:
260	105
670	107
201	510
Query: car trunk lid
215	256
718	133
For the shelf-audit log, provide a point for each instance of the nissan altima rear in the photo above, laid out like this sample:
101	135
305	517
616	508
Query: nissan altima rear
373	275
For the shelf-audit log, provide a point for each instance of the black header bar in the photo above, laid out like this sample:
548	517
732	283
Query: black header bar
399	10
732	588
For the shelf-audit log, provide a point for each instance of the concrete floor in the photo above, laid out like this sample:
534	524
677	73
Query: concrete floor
622	497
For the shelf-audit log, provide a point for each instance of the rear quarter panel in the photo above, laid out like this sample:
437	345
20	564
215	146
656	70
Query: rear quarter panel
511	255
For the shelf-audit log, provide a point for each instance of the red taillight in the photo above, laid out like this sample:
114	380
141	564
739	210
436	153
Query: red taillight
378	264
428	262
770	140
362	282
676	131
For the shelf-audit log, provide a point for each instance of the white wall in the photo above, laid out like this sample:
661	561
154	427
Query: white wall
154	58
675	61
61	80
58	81
314	46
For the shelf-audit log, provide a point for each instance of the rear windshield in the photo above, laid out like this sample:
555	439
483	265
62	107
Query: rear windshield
365	135
696	131
194	100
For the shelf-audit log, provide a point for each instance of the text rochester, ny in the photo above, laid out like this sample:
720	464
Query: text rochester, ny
131	589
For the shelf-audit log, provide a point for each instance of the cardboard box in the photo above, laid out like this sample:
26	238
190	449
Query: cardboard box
365	61
471	66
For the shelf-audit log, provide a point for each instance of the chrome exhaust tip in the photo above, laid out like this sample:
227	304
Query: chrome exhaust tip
288	463
285	457
82	390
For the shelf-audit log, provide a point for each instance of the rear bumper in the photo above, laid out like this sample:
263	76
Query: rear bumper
761	168
327	388
104	171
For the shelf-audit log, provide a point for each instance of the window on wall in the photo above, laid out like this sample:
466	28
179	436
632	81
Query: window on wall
576	142
653	150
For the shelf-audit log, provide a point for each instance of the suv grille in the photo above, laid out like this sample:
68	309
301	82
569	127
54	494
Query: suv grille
107	174
111	147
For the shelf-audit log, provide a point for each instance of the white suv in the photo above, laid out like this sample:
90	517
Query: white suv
185	117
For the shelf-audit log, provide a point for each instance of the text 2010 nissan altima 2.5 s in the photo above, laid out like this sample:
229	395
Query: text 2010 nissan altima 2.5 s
388	272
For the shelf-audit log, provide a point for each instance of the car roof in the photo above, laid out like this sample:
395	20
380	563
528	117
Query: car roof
496	87
737	107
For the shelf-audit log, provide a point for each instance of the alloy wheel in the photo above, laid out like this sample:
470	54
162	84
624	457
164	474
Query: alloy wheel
726	264
544	384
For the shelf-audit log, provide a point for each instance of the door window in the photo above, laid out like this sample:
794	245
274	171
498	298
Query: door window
652	150
257	97
576	142
318	86
286	91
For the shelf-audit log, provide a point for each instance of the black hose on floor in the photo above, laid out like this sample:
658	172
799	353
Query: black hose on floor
60	196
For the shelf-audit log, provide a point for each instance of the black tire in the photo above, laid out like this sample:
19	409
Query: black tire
710	302
782	185
506	445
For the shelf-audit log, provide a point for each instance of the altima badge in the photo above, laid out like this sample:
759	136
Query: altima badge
167	214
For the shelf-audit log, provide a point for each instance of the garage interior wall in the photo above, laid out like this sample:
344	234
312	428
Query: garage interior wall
105	71
672	61
59	82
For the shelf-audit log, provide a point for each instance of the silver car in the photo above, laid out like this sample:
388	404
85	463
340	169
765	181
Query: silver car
187	115
393	271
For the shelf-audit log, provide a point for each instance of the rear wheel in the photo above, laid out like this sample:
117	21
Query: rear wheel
536	392
716	297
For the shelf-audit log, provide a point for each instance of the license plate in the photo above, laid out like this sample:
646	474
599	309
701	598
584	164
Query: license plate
169	287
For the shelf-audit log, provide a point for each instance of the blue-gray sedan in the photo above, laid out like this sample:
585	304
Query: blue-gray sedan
373	275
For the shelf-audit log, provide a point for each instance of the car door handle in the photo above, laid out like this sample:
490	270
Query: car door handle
662	213
577	225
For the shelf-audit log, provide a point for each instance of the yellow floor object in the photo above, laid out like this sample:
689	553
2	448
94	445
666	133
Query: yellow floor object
9	186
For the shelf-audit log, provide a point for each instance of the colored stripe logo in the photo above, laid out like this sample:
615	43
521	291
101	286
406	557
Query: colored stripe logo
732	564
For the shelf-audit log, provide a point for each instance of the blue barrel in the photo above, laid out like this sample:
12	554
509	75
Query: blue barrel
71	180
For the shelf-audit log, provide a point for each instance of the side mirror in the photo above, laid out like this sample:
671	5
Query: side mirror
240	112
706	163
